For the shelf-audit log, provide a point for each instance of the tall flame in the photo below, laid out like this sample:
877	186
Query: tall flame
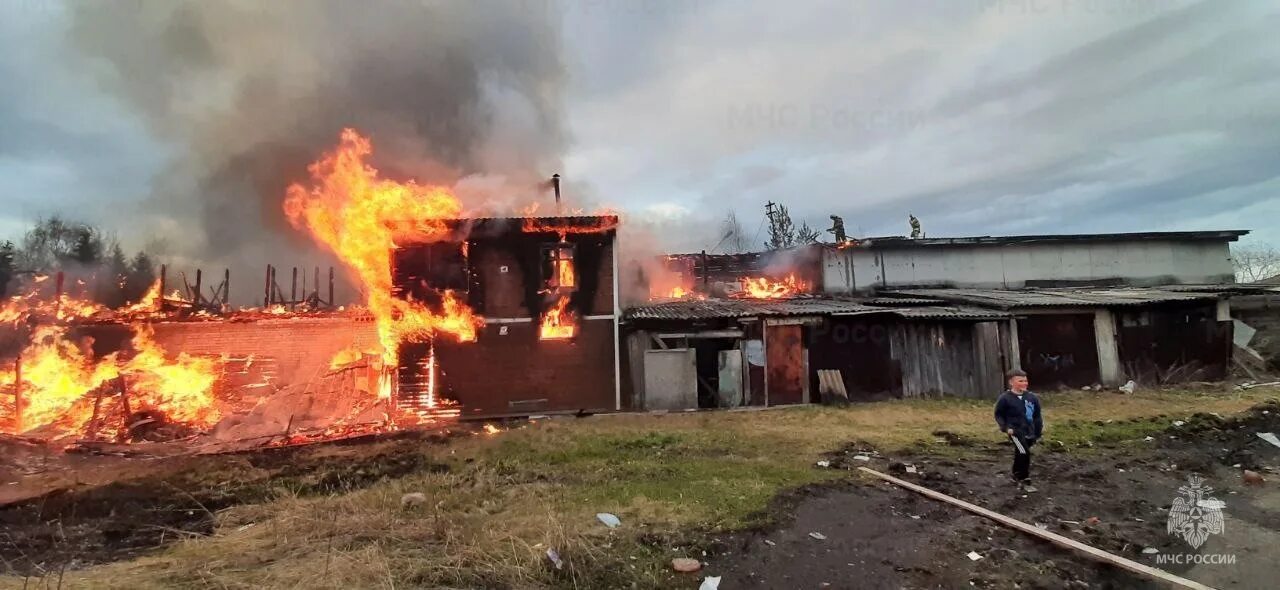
55	375
58	376
150	300
558	322
358	215
764	288
182	387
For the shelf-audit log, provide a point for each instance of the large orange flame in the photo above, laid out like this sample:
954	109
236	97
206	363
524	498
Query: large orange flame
55	375
558	322
39	302
58	375
182	388
359	216
150	301
764	288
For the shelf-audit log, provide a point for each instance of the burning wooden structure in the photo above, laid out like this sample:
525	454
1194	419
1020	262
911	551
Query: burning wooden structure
776	274
545	289
461	315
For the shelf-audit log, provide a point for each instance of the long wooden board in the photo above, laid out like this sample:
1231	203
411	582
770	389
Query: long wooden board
1056	539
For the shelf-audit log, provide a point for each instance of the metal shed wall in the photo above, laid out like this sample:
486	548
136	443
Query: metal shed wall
1013	266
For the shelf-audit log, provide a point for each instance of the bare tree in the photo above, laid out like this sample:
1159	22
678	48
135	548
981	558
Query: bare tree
1255	263
731	235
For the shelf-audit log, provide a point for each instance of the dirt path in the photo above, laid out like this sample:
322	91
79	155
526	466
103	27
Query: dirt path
879	536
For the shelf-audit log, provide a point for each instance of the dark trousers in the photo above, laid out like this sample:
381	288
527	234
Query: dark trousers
1022	461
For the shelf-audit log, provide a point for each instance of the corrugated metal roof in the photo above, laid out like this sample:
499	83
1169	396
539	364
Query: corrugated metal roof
1087	297
904	301
1229	288
902	241
737	308
817	306
949	312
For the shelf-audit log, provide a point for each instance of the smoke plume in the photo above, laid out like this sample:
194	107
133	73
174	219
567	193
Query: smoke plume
249	93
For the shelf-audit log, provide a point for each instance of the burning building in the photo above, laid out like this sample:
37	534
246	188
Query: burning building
545	290
913	317
461	315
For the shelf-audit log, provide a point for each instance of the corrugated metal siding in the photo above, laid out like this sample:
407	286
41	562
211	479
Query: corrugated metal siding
1026	298
738	308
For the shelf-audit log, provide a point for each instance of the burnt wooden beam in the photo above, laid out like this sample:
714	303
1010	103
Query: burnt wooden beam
197	299
164	271
93	421
124	406
18	402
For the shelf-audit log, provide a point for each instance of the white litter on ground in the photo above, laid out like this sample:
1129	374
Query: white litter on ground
1269	437
609	520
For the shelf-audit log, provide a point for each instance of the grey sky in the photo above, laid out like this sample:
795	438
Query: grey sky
981	116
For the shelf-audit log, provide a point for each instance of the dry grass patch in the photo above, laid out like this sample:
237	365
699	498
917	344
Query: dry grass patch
507	498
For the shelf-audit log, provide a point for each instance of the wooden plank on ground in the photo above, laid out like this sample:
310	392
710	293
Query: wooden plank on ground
1056	539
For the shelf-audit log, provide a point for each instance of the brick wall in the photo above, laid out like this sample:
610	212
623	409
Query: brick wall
287	350
516	373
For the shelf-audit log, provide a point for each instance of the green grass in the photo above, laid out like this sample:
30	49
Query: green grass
670	478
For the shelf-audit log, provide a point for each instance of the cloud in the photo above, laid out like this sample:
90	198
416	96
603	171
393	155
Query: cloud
980	117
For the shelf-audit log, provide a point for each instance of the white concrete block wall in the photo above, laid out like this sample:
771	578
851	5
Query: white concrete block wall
1011	266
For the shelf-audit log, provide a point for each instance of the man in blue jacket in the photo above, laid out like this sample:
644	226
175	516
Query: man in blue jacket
1018	415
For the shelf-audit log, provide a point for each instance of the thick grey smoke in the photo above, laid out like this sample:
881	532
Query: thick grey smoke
251	92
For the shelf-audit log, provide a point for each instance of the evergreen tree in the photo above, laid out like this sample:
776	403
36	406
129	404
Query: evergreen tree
806	235
87	246
782	233
141	275
54	244
112	277
7	258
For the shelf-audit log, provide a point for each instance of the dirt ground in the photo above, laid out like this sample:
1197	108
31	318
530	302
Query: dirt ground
66	512
86	509
880	536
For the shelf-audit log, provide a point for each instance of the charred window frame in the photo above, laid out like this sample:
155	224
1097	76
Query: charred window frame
422	271
559	269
